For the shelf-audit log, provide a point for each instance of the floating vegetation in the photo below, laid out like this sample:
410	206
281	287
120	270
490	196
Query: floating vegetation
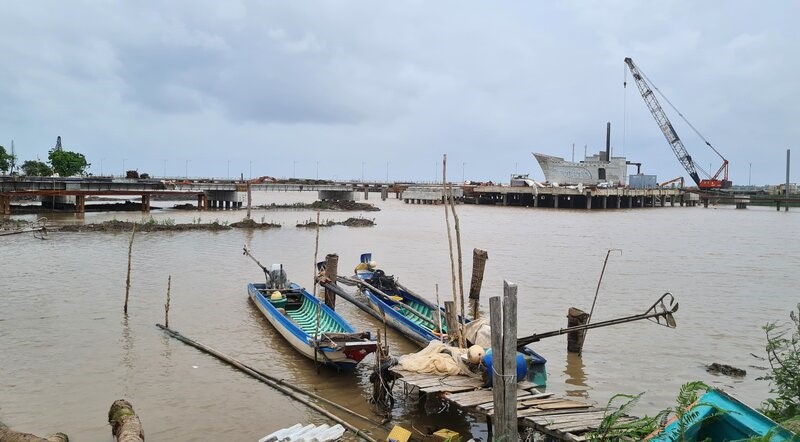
349	222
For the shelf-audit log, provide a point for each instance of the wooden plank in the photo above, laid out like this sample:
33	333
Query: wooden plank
562	405
569	417
532	412
471	398
448	389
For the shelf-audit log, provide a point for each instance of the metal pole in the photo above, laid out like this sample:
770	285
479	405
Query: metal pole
123	167
786	190
165	168
187	170
362	171
749	174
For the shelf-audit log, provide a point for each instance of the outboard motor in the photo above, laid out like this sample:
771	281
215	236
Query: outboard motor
278	277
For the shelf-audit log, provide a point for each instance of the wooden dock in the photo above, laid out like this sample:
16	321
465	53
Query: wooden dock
561	419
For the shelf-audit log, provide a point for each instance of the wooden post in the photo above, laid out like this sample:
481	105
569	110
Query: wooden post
451	317
166	306
510	358
462	311
125	424
128	280
576	316
331	272
503	318
479	258
9	435
249	200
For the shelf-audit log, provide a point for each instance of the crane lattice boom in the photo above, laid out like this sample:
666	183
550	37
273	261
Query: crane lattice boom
663	122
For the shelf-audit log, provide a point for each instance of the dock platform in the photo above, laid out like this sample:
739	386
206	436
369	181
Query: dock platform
559	418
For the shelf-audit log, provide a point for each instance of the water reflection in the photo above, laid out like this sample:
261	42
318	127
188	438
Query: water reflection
575	377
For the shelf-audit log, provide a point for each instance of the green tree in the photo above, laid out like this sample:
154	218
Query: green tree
66	163
6	160
36	168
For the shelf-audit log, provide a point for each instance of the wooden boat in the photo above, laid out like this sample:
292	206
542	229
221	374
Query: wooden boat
717	416
294	313
415	317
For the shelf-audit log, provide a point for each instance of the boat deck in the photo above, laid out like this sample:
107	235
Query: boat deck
559	418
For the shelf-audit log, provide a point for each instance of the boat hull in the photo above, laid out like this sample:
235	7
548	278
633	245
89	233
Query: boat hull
344	356
737	421
423	335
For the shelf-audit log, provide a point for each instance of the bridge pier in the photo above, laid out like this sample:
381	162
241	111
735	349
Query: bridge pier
605	202
5	205
202	201
145	202
80	203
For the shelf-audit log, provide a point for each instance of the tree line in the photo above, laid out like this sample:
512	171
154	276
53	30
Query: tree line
60	161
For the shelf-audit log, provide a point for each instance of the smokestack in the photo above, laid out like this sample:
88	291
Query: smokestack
608	141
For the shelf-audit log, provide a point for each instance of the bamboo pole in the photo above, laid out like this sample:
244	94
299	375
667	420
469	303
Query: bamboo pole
450	327
316	253
128	280
314	292
461	342
597	290
280	385
439	314
125	424
9	435
166	306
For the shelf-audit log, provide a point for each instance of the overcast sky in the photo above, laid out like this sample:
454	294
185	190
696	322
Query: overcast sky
331	88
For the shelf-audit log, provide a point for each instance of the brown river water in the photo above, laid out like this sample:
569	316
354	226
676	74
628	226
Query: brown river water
67	352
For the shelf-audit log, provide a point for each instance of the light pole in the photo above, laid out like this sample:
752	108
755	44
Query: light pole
165	168
251	169
463	164
294	168
101	166
317	169
387	171
187	170
362	171
229	169
749	174
123	167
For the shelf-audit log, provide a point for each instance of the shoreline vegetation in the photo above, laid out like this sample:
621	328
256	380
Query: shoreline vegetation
132	206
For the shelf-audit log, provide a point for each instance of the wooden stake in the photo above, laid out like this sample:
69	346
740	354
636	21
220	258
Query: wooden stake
125	424
128	280
166	306
249	199
461	342
510	358
439	314
451	326
316	253
479	258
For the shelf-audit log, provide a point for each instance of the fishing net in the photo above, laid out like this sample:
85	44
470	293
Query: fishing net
478	332
436	358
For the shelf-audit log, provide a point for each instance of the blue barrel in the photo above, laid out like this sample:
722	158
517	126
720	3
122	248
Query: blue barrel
522	366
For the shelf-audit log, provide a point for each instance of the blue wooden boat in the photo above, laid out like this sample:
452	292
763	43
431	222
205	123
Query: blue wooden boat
721	417
294	312
415	317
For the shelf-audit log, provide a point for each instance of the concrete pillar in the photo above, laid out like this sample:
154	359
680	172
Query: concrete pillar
705	202
366	193
661	200
5	205
681	201
202	201
605	202
384	193
630	202
80	203
555	201
146	202
505	199
588	200
619	201
672	200
536	201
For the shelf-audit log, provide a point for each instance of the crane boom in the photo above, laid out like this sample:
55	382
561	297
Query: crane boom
714	182
663	122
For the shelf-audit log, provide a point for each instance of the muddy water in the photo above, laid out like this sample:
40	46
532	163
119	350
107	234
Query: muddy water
66	351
